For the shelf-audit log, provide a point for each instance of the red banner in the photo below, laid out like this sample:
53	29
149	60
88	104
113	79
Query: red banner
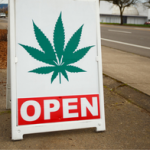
58	109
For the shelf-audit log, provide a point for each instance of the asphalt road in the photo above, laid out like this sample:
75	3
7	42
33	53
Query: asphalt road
132	39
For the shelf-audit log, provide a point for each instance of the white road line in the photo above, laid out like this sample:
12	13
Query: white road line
143	29
119	31
125	43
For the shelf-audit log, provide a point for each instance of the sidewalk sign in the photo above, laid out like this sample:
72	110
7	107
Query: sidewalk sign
56	67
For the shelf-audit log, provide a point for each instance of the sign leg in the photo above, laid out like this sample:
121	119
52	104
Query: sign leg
17	135
100	127
8	89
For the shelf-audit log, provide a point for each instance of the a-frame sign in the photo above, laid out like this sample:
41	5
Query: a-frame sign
56	67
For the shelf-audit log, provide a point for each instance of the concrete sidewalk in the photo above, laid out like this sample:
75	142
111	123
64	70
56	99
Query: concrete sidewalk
127	114
129	68
3	25
127	111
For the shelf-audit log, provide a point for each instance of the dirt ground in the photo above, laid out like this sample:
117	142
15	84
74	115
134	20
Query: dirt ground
3	49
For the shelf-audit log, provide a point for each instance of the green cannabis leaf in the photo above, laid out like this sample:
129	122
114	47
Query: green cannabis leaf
60	57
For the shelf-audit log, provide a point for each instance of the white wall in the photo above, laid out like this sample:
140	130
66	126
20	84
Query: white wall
116	19
105	7
133	20
149	14
110	19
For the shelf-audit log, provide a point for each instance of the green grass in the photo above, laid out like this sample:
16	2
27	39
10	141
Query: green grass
135	25
5	112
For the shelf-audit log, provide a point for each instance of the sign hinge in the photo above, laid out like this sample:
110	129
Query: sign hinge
16	59
97	58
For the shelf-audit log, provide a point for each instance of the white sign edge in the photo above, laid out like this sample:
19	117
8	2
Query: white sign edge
8	89
100	70
19	131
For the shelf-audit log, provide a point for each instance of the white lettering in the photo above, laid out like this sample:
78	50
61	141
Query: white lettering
48	110
37	109
66	108
85	104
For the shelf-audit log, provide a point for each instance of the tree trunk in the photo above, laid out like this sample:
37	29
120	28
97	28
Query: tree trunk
121	16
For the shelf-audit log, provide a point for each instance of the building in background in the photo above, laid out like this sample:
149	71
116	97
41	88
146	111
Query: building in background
3	8
110	13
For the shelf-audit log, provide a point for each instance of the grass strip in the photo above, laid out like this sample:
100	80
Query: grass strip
5	112
134	25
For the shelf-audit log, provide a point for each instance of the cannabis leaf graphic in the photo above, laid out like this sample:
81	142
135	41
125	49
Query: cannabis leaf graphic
60	57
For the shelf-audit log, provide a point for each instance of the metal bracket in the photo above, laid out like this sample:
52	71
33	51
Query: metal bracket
16	59
97	58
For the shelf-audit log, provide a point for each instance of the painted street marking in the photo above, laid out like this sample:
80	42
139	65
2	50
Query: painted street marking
142	29
119	31
139	46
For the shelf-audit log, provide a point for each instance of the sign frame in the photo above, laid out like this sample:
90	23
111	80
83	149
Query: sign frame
19	131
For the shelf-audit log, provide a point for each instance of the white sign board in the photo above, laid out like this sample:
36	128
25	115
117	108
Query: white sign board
56	68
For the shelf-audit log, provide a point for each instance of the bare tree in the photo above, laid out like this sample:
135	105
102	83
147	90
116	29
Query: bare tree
147	3
122	4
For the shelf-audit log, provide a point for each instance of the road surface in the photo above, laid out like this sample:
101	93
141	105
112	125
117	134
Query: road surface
131	39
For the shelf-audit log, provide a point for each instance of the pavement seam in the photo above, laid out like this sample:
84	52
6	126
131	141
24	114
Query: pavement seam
124	85
130	101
